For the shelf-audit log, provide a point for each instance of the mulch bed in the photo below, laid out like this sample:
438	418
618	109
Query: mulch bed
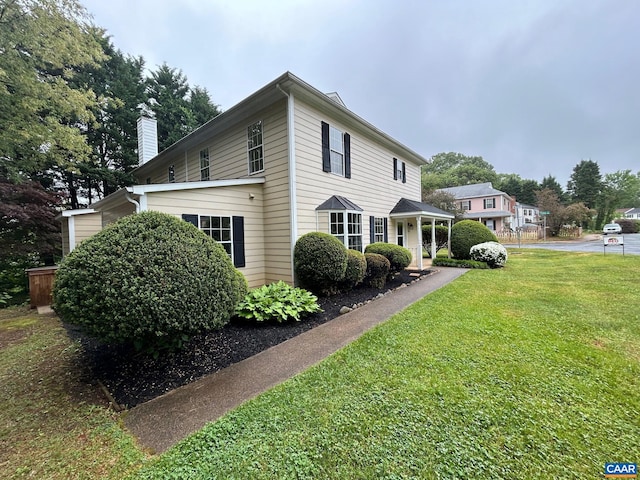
131	378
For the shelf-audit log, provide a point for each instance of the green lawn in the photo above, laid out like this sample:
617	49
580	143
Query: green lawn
531	371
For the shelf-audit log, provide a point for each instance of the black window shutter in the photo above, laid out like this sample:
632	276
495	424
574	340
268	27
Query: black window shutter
395	168
372	229
238	242
347	155
404	173
192	219
326	153
386	236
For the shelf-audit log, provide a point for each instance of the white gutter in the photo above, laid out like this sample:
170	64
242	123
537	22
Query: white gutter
293	207
130	199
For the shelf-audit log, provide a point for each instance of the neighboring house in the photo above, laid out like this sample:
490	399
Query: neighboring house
633	213
483	203
285	161
526	215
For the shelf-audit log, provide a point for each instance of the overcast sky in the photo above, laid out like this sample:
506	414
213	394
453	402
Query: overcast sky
533	87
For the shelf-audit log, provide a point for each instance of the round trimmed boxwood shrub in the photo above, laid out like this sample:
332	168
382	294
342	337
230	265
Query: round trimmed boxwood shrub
378	267
492	253
467	233
355	271
319	262
399	257
149	278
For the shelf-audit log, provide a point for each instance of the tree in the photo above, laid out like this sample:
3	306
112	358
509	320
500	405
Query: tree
585	183
43	43
120	87
201	107
547	200
29	233
619	190
512	184
444	201
454	169
550	182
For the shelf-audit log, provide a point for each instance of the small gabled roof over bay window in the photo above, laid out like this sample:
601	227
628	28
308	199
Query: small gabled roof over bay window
344	221
337	202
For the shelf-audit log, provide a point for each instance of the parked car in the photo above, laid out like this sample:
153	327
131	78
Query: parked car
611	228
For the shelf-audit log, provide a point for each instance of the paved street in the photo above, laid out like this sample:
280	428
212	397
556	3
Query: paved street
594	244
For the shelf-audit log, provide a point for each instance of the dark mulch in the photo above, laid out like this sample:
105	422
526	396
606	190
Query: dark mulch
132	378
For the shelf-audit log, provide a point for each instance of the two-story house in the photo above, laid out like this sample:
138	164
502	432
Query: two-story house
285	161
527	216
485	204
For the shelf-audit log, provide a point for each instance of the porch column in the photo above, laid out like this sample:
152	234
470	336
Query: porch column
449	238
433	239
419	249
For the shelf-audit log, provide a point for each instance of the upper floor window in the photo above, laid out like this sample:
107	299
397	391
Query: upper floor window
254	146
465	205
336	151
204	164
172	174
399	170
489	203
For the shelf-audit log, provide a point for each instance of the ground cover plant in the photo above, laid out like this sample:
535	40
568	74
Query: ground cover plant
539	378
53	423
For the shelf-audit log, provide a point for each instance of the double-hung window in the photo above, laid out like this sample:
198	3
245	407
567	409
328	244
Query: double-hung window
336	151
255	148
465	205
379	229
399	170
489	203
172	174
204	164
347	227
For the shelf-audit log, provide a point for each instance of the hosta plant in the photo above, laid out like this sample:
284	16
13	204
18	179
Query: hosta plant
492	253
279	302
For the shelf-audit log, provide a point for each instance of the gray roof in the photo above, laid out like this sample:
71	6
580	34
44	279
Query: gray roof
472	191
405	206
338	203
633	211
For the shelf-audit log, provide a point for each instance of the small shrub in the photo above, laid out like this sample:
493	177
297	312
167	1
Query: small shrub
149	278
629	225
279	302
399	257
452	262
466	234
319	262
377	269
492	253
355	271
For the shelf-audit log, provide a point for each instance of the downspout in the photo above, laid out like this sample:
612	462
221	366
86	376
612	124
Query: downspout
291	143
131	200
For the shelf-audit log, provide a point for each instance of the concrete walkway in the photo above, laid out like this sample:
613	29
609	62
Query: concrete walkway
160	423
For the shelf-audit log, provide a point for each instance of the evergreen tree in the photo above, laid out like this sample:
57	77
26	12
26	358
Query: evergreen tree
585	183
549	182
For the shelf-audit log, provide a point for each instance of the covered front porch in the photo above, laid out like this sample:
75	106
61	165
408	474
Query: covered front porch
408	217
